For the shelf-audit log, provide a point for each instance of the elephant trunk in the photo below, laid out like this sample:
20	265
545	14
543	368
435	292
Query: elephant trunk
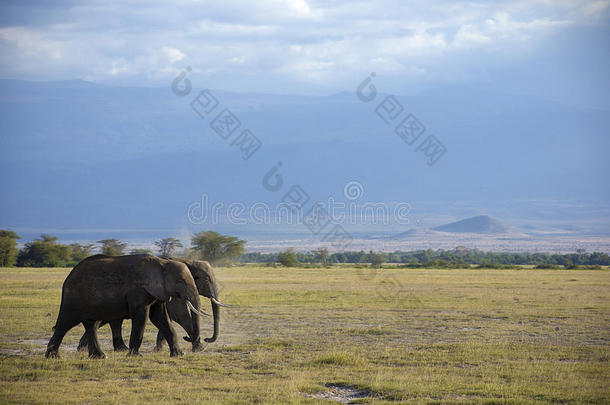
216	312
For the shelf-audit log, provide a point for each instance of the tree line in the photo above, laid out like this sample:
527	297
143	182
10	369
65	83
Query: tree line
46	251
454	258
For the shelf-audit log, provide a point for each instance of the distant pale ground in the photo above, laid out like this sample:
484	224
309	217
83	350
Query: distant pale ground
437	240
512	242
505	243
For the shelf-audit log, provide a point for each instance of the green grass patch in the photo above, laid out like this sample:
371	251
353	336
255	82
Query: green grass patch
339	359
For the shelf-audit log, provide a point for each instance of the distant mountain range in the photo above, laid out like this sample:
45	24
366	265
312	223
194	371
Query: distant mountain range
82	156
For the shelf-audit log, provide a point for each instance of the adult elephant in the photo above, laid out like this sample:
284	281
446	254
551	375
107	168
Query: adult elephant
116	287
205	280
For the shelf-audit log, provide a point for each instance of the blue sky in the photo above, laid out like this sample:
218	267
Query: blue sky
555	49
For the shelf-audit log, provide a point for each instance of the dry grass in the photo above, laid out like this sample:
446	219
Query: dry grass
414	336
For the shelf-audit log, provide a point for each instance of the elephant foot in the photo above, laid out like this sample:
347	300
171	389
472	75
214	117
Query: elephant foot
51	354
133	352
197	346
99	355
175	352
121	348
159	345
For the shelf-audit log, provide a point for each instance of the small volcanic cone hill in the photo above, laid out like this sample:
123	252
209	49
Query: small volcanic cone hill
483	224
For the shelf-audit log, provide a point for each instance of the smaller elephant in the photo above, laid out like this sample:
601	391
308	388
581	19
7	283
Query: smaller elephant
205	280
203	274
116	287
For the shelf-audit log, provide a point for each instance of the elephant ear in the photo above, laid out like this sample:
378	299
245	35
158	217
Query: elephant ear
204	278
148	275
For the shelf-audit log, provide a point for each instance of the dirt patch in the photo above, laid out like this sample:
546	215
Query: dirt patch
343	394
35	342
13	352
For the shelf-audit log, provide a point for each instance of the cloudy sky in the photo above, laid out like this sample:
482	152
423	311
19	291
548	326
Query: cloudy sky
558	49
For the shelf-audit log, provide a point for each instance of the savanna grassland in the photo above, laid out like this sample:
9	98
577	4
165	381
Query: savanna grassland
408	336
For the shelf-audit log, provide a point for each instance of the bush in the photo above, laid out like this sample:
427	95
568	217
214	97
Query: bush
288	258
44	252
546	266
497	266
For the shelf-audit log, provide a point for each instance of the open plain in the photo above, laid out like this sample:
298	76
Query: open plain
337	334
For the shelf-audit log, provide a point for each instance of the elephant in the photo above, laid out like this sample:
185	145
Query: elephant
203	274
104	287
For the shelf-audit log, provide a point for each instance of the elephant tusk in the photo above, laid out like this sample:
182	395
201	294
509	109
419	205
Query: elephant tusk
192	308
215	301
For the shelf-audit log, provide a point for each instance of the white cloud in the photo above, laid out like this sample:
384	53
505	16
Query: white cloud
307	41
418	43
119	66
173	54
468	36
31	43
299	6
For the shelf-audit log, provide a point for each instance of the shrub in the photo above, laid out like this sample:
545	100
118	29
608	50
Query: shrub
288	258
548	266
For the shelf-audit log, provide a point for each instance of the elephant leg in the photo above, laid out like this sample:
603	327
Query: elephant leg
159	317
83	343
95	352
160	341
61	328
117	335
138	322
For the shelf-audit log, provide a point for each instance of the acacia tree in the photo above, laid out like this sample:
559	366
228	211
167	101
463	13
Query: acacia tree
377	259
112	247
322	255
217	248
168	246
8	248
79	252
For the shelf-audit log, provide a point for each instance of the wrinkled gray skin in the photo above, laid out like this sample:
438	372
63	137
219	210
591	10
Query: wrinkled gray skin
203	274
117	287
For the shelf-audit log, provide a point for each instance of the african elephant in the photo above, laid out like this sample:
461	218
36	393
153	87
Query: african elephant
116	287
203	274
